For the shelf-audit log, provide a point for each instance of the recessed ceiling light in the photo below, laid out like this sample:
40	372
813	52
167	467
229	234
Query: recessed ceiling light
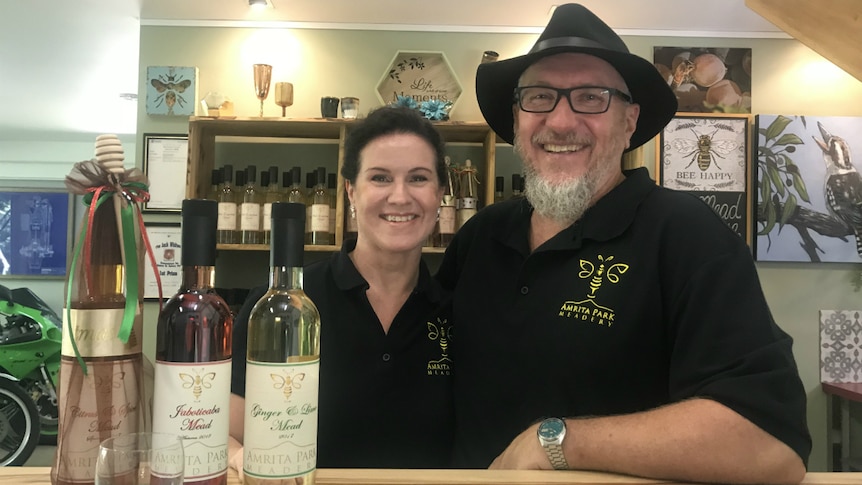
257	3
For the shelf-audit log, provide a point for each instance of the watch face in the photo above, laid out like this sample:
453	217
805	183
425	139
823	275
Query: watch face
551	428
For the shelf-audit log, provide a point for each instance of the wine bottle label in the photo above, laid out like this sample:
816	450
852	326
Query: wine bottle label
280	419
469	203
250	217
308	218
320	218
332	219
447	220
192	399
267	216
96	333
226	216
94	407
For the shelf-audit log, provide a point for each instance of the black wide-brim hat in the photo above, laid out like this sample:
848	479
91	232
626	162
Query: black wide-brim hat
573	28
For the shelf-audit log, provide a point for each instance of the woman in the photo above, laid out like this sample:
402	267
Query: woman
385	394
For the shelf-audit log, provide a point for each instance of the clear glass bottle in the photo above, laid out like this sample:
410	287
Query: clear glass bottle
251	209
282	372
319	203
332	188
498	189
215	184
227	209
193	354
469	199
446	222
270	195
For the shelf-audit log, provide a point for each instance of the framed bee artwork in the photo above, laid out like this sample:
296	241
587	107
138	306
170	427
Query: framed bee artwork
172	90
709	157
809	188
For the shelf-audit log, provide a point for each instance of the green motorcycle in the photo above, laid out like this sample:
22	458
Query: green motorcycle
30	344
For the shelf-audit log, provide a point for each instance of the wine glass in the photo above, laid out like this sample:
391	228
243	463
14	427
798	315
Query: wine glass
262	78
141	459
284	96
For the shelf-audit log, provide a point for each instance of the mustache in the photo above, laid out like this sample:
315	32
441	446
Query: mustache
549	137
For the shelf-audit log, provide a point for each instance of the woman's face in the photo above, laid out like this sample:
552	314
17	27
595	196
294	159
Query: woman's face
397	193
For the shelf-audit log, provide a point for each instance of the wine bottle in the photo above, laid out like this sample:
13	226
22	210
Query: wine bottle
193	354
446	222
351	229
250	210
227	209
469	193
331	187
272	194
517	185
320	202
498	189
309	201
280	435
215	187
109	399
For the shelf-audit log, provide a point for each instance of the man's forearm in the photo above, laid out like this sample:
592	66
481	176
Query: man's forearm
698	439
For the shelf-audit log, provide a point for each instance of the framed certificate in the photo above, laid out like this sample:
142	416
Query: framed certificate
166	240
166	165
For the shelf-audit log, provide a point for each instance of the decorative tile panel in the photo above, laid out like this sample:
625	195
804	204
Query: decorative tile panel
841	345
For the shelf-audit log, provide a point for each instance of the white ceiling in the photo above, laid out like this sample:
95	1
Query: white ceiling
63	63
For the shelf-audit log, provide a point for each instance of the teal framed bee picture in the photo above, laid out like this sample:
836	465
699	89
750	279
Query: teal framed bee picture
172	90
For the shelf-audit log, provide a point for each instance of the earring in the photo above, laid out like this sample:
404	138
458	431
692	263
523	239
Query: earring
438	213
352	211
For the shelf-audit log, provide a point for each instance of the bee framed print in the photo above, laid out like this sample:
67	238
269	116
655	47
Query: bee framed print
172	90
709	157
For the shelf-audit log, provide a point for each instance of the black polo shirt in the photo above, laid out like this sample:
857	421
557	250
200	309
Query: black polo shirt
385	398
649	299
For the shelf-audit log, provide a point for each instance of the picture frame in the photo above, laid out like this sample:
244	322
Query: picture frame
171	90
166	242
709	156
36	227
166	166
423	76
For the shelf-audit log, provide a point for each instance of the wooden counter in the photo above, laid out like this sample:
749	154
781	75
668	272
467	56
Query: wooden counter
40	476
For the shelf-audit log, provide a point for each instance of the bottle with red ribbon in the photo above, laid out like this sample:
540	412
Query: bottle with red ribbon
102	371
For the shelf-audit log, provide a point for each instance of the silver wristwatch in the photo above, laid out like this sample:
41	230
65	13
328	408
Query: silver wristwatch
551	433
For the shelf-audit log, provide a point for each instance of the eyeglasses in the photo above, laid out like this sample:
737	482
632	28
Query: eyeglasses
583	99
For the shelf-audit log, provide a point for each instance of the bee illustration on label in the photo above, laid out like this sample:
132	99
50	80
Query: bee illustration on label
703	149
441	332
197	383
105	384
170	90
287	383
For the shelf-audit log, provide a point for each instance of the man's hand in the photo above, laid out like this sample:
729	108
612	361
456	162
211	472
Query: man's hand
524	453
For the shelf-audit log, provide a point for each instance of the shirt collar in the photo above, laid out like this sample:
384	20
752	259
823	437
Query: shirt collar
347	277
607	219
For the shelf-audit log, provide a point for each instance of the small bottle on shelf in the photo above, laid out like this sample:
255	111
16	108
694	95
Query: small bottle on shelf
309	201
319	202
250	210
498	189
227	209
517	185
469	201
446	222
215	184
193	354
331	186
283	362
272	194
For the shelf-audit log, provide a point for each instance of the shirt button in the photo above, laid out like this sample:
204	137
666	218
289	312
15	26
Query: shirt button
386	357
524	290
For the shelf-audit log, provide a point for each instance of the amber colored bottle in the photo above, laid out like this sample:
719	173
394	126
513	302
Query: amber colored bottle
109	400
193	354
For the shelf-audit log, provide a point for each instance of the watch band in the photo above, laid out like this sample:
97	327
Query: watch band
558	459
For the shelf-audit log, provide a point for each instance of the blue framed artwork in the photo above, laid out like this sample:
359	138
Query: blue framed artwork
809	189
171	90
35	232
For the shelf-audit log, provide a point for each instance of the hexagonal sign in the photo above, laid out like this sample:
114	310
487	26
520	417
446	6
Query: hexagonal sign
421	75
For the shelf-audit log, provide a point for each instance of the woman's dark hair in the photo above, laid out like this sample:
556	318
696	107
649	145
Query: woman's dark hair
391	120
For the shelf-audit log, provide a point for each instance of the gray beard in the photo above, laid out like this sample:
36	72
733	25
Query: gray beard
563	203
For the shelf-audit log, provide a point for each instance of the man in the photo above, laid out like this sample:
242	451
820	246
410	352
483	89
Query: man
629	310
